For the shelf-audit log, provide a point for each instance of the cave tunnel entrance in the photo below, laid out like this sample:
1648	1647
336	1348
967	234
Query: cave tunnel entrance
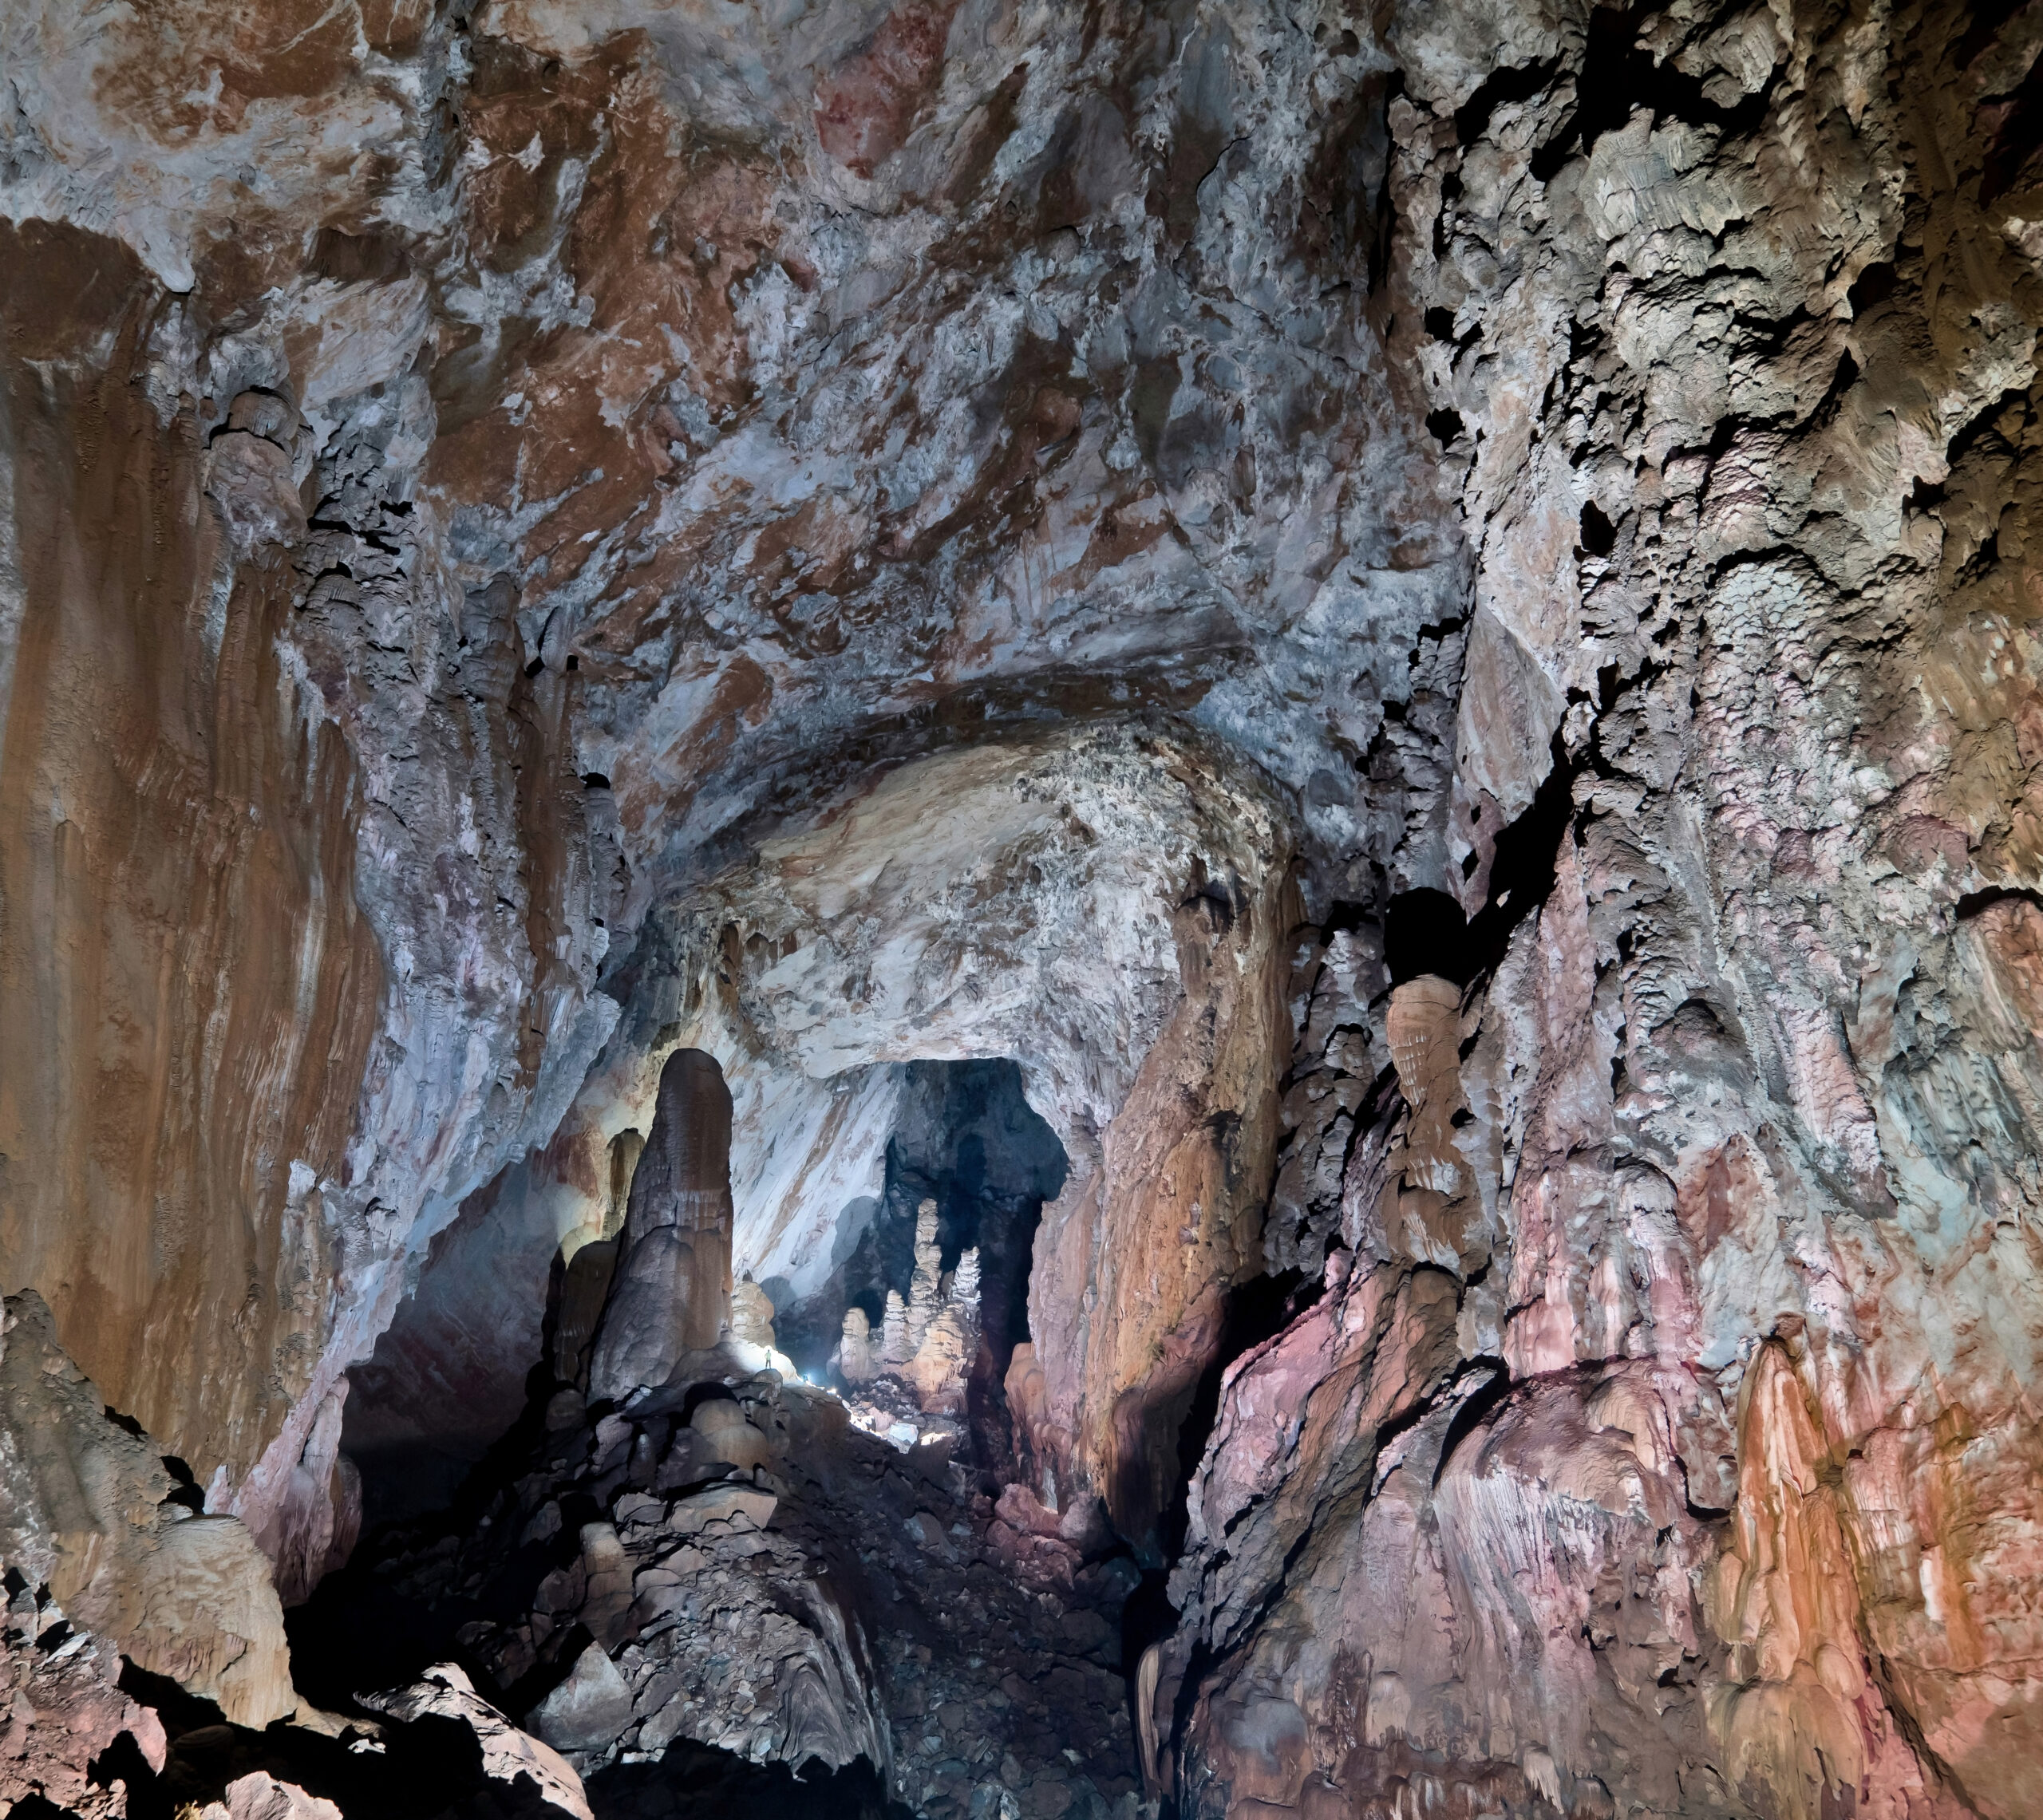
580	1570
966	1138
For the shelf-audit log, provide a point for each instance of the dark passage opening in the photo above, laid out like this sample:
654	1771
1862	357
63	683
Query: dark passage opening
967	1139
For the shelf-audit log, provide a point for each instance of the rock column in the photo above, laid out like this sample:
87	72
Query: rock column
672	1294
924	1286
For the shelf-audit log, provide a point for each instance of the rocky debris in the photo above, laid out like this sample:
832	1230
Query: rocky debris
590	1710
832	1601
517	1763
260	1796
64	1715
670	1291
92	1517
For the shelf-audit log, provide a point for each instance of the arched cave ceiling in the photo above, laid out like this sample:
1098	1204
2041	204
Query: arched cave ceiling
503	498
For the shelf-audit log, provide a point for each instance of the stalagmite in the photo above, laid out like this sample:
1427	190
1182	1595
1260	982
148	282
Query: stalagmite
854	1360
894	1347
965	1284
751	1315
924	1287
938	1369
625	1148
672	1292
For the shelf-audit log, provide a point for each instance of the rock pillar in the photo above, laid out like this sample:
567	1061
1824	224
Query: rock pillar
672	1294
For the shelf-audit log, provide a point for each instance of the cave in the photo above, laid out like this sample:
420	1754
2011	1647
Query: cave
945	910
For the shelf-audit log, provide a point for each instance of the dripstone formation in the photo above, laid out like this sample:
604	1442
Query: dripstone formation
973	908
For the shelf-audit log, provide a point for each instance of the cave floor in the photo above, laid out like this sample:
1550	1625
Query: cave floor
693	1632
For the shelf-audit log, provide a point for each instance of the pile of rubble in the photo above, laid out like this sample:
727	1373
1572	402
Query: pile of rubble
735	1563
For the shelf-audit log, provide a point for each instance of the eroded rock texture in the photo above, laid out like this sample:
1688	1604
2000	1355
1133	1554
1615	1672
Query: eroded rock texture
1420	616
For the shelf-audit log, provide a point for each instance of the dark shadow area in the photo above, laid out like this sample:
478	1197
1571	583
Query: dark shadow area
1425	932
365	1628
446	1378
693	1778
429	1770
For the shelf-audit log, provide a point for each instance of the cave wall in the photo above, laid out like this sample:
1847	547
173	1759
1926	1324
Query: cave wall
679	423
188	988
1626	1466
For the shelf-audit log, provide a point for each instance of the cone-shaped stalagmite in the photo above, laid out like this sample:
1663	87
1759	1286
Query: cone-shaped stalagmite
855	1363
894	1347
672	1294
751	1315
924	1286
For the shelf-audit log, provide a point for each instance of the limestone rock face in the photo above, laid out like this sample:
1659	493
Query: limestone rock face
1644	1513
260	1796
1423	613
420	559
65	1713
511	1759
90	1516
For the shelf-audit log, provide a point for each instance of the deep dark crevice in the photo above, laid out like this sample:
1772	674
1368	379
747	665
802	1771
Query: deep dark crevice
1147	1617
1973	902
1982	28
717	1782
187	1490
1907	1724
1475	1410
1978	428
1251	1313
431	1768
1599	536
1873	286
1425	931
1846	377
1471	119
1522	866
2011	149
